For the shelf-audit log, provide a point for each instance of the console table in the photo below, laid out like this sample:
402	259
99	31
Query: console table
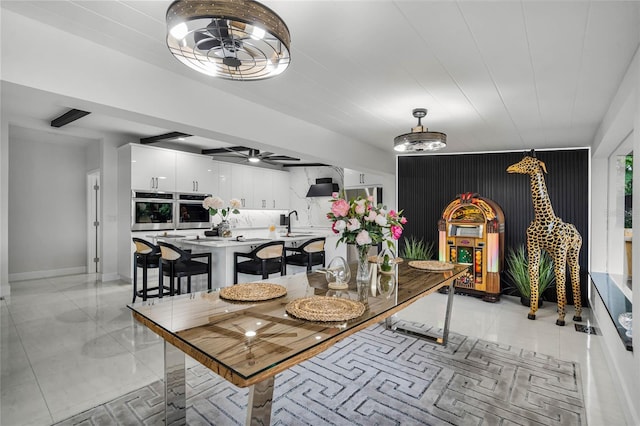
249	343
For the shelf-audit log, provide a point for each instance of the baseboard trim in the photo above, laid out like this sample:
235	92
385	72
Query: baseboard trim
112	276
36	275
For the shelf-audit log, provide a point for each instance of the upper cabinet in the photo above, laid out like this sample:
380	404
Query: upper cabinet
354	179
242	185
224	181
196	174
159	169
281	188
152	169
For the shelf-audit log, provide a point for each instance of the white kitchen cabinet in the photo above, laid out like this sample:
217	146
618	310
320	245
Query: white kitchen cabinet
281	188
196	174
152	169
224	181
354	179
242	185
262	189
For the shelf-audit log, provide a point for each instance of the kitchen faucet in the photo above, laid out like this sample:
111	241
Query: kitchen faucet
289	220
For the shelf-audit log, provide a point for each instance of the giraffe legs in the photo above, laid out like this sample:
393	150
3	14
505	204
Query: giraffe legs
560	268
574	269
534	262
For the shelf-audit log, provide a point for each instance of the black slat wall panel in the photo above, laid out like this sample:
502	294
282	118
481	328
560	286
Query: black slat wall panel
426	184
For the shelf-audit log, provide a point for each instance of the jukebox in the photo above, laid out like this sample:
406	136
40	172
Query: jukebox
471	231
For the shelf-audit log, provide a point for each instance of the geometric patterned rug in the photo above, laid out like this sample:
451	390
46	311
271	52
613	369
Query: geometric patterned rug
378	377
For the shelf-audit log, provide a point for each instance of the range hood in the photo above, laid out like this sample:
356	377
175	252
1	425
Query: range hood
323	187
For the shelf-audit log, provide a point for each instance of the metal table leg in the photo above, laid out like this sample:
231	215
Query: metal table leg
259	406
404	328
175	401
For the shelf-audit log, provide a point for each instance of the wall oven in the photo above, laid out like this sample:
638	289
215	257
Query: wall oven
190	213
152	210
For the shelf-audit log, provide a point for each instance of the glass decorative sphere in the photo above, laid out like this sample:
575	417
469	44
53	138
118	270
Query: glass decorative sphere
386	261
338	273
626	320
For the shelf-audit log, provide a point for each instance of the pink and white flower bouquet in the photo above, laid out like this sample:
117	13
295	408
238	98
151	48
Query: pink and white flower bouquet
361	222
216	206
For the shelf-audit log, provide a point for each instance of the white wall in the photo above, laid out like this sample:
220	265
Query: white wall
47	205
4	208
615	136
108	162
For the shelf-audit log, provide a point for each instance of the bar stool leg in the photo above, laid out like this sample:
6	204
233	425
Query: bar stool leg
144	278
135	277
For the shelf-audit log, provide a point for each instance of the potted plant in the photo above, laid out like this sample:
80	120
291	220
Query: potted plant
416	249
518	273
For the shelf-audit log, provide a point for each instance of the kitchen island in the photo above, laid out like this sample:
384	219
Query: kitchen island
222	250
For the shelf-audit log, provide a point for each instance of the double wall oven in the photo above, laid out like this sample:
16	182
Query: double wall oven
167	210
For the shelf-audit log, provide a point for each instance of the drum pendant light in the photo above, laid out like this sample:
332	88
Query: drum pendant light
420	138
230	39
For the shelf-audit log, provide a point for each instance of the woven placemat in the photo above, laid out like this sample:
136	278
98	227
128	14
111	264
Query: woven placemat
253	292
431	265
323	308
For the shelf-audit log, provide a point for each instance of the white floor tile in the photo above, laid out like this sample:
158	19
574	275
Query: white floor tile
70	343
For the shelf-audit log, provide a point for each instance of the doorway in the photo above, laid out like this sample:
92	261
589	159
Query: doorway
93	222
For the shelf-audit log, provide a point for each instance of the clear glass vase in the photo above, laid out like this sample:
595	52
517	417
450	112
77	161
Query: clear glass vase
363	275
224	229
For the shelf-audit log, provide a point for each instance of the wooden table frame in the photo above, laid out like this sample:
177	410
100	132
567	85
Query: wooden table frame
170	320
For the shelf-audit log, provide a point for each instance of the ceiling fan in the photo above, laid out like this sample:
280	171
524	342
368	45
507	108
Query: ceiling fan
252	155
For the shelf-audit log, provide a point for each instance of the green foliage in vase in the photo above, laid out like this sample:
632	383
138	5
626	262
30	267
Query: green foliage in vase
386	266
417	249
518	272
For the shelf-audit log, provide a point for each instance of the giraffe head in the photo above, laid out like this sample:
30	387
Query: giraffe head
529	165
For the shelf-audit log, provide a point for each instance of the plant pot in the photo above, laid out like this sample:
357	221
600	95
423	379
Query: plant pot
525	301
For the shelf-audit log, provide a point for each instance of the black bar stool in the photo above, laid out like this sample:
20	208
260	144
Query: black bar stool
266	259
309	254
178	263
147	256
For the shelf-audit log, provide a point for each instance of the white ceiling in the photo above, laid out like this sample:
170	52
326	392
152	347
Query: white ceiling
494	75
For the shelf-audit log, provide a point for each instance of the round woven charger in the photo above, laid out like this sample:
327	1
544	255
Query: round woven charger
323	308
253	292
431	265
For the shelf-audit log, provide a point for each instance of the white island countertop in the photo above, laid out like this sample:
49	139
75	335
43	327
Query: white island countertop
240	240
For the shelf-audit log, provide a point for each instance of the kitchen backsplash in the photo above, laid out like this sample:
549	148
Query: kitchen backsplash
255	218
312	211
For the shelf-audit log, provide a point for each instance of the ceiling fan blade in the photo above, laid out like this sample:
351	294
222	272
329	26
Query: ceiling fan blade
205	41
264	154
273	163
283	158
239	156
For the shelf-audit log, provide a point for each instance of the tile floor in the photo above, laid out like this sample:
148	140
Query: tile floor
69	343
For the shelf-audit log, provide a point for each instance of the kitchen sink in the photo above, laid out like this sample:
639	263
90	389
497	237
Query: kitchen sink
297	235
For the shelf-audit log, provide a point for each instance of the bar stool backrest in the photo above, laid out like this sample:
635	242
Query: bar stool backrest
170	252
144	247
314	246
271	251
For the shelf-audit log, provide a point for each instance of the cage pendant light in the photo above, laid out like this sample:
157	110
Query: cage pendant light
420	138
230	39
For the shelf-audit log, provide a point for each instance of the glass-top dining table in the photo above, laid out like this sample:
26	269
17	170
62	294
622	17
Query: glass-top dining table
249	343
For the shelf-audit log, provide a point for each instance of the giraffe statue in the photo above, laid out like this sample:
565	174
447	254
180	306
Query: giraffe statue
548	232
